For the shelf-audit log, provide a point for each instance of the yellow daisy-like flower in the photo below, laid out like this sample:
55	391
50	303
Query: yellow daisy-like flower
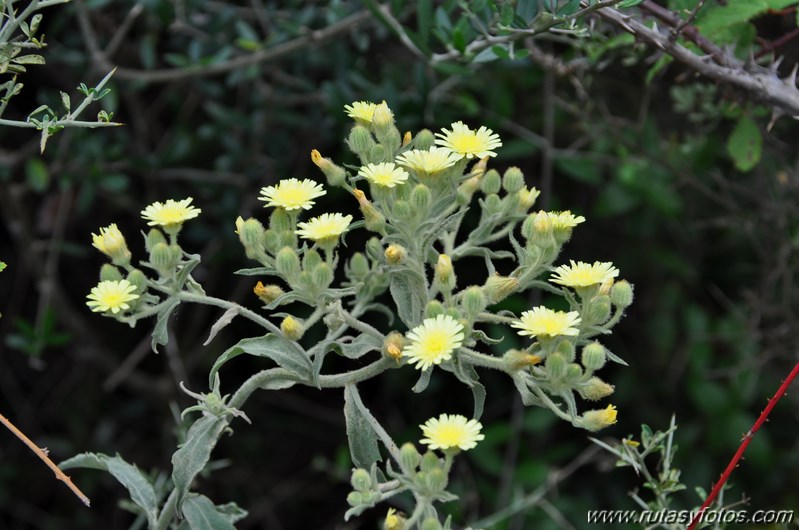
111	295
434	160
433	341
386	174
292	194
170	213
111	242
327	226
361	111
594	420
565	219
541	321
451	430
468	143
583	274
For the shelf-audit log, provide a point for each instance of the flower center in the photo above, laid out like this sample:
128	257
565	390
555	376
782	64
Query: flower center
436	343
466	143
291	196
450	435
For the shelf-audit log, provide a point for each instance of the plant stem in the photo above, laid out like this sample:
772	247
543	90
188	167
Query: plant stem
225	304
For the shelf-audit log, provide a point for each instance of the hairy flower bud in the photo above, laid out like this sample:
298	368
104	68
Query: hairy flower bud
424	140
395	254
430	462
594	356
594	420
556	365
392	347
360	480
621	294
445	274
431	523
402	210
513	180
382	119
358	266
497	288
573	373
492	204
267	293
355	498
421	198
474	301
566	348
154	236
279	221
373	220
491	183
251	233
272	241
311	259
518	360
433	309
409	456
598	309
335	174
595	389
138	280
527	198
287	262
164	258
436	480
360	141
374	249
292	328
322	276
406	138
109	272
378	154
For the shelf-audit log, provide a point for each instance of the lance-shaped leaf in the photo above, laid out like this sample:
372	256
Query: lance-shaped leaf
160	333
410	296
360	435
201	514
193	455
466	373
285	353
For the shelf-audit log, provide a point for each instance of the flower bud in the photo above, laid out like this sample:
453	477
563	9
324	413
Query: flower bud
267	293
406	138
594	356
360	141
163	258
595	420
424	140
286	239
272	241
335	174
395	254
491	183
444	273
322	276
566	348
467	188
542	227
378	154
112	243
492	204
392	347
374	249
436	480
621	294
410	457
292	328
595	389
252	232
358	266
556	365
138	280
433	309
518	360
573	373
154	236
527	198
360	480
429	462
431	523
311	259
473	301
287	262
513	180
598	309
373	220
497	288
421	198
355	498
402	210
382	119
279	221
109	272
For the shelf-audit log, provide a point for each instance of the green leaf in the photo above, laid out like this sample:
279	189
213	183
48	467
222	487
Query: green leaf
2	266
201	514
466	373
192	456
628	3
745	144
185	270
160	333
360	435
138	485
406	291
28	59
285	353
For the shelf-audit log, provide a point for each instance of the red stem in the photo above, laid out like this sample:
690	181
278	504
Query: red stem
744	444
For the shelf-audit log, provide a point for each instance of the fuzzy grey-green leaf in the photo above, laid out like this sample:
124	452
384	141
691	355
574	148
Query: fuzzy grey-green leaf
193	455
201	514
360	435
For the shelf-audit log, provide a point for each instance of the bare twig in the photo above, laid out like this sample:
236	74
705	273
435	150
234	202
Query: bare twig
691	33
42	453
685	23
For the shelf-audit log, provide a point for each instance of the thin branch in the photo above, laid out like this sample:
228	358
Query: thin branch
42	453
685	23
691	33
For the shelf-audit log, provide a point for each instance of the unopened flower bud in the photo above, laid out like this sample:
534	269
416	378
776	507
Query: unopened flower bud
542	225
392	347
527	198
271	241
374	249
395	254
287	262
433	309
360	141
445	274
138	280
436	480
573	372
409	456
473	301
311	259
292	328
154	236
598	309
335	174
421	198
406	138
424	140
322	276
430	462
109	272
286	239
378	154
566	348
518	360
431	523
595	420
595	389
360	480
252	232
163	258
402	210
382	119
279	221
556	365
497	288
355	498
267	293
358	266
492	204
491	183
513	180
594	356
373	220
621	294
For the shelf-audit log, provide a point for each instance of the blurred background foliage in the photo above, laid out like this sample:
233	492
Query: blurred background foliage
689	187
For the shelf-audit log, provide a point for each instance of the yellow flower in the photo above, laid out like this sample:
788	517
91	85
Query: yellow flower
292	194
565	219
111	295
361	111
327	226
582	274
111	242
171	213
451	430
393	521
433	341
386	174
594	420
468	143
431	161
541	321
